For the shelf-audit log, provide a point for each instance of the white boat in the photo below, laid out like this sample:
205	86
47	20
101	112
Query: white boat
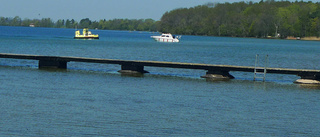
166	37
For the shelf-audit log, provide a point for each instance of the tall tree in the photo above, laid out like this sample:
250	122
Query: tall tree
85	23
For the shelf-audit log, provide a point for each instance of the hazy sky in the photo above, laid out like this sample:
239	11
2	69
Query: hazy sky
97	9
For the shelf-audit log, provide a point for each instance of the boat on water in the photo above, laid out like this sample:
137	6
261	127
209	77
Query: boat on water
166	37
86	34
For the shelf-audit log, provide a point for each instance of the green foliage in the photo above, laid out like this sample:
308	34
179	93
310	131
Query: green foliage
85	23
115	24
126	24
245	19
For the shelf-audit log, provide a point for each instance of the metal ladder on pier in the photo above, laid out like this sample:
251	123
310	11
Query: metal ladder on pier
260	72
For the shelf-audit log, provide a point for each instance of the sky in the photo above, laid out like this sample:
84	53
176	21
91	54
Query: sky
98	9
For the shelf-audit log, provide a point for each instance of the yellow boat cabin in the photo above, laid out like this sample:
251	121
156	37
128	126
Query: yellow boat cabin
86	34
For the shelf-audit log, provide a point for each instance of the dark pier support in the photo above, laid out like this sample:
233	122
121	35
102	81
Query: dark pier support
52	64
218	75
308	78
132	69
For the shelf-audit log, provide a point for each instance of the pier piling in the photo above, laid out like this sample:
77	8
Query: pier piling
308	78
132	68
218	74
52	64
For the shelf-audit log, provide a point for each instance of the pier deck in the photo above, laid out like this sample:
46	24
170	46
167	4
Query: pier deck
213	71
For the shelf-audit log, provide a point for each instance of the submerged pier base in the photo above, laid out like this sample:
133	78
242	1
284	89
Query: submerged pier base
52	64
308	78
307	81
218	75
132	69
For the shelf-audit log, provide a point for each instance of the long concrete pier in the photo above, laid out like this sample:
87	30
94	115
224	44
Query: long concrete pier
136	66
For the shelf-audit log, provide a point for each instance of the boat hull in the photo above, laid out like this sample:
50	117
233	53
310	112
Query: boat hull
159	39
167	40
86	37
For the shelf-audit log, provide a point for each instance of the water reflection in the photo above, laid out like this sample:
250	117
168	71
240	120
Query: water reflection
217	79
309	86
132	74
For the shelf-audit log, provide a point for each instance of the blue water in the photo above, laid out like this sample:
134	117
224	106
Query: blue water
91	99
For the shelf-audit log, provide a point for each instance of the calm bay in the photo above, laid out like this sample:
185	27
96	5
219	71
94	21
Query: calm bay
95	100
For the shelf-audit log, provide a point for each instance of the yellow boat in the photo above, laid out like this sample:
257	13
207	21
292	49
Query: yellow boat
86	34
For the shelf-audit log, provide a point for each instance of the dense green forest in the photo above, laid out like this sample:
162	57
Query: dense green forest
246	19
267	18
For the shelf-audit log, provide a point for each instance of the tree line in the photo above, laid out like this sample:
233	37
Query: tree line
267	18
115	24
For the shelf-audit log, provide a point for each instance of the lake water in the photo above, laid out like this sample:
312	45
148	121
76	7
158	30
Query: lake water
91	99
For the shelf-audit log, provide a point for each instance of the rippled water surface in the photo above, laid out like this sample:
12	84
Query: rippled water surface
91	99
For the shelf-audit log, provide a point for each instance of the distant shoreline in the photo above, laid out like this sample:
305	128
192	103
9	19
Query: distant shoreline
304	38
